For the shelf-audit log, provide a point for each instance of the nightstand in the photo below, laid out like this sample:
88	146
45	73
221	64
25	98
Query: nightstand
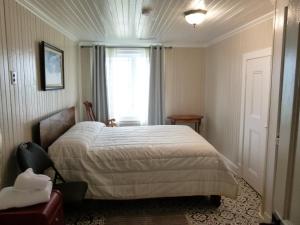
50	213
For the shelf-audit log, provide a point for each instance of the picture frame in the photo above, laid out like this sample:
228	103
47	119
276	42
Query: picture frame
52	67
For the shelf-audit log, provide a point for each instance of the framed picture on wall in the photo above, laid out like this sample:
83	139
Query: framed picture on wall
52	67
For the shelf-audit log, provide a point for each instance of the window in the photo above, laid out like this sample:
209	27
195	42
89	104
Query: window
127	74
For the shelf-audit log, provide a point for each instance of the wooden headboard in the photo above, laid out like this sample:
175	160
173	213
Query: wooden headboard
54	126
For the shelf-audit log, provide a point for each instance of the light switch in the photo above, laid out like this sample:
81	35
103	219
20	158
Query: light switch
13	77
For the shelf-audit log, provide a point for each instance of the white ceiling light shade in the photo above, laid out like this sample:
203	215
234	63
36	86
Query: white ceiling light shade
195	16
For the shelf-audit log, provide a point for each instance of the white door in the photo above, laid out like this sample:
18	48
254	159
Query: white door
256	110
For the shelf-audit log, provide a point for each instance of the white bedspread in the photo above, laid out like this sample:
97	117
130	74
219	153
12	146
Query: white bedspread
141	162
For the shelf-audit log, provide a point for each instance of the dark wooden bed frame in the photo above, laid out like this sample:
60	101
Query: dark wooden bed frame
54	126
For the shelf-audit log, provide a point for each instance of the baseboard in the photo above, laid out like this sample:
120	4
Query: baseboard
276	220
232	166
267	218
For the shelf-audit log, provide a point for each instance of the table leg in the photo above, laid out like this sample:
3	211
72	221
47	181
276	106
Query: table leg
199	123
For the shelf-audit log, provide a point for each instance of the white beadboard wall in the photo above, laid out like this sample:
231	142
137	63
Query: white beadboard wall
3	71
24	104
223	83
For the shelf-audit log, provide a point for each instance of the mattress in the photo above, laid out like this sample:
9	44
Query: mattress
141	162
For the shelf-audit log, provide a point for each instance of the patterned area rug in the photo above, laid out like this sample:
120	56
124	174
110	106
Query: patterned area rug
147	220
171	211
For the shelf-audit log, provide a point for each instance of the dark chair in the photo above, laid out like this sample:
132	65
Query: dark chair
31	155
91	115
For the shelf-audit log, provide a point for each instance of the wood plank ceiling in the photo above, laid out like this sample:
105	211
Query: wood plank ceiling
122	21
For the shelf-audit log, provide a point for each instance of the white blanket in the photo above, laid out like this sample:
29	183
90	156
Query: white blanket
11	198
141	162
28	181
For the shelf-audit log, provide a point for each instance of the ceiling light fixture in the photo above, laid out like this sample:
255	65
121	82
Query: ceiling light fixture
195	16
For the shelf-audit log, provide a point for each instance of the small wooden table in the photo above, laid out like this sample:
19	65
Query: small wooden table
196	119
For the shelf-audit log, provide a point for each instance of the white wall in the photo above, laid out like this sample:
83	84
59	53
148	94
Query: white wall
86	78
24	104
184	90
223	83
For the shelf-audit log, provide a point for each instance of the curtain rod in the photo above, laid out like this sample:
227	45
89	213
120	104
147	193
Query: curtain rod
90	46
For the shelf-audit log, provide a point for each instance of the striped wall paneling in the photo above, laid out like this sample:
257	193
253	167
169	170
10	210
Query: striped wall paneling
223	86
24	104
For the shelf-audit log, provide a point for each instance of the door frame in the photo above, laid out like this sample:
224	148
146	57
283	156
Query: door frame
246	56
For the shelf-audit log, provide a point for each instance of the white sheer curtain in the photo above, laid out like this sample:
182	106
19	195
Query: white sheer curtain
127	77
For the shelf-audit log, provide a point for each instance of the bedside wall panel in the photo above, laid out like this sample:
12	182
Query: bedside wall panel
24	104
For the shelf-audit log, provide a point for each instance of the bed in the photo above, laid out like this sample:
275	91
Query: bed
137	162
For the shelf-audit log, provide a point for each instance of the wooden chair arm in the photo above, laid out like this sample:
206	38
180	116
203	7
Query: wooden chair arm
111	122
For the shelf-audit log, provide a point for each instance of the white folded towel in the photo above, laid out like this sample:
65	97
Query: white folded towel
28	180
13	198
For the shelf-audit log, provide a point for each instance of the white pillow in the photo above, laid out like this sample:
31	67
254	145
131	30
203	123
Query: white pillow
89	125
80	135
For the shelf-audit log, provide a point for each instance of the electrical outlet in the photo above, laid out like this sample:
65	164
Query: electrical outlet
13	77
